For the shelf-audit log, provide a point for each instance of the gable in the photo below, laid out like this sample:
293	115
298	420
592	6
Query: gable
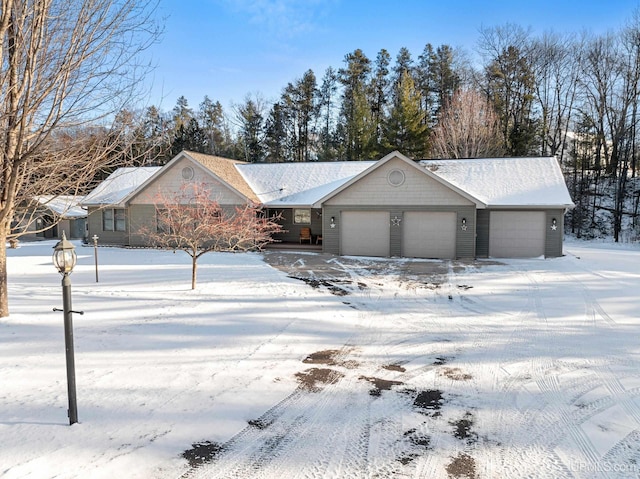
395	182
176	174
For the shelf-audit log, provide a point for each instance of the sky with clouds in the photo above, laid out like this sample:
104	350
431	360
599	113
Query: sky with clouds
227	49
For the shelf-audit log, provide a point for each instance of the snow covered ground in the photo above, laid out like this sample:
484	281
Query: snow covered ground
387	368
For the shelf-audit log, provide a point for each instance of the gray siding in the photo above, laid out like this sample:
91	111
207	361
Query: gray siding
554	238
482	233
466	238
94	221
417	189
141	217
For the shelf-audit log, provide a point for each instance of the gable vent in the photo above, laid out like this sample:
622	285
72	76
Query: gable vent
187	173
395	177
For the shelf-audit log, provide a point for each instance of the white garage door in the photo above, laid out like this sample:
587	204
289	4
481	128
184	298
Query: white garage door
516	234
364	233
429	235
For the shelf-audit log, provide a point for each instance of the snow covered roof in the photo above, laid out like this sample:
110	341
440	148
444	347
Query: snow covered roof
65	206
118	185
298	184
506	181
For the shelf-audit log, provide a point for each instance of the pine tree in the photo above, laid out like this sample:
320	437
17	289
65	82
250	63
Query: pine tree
212	121
358	128
276	135
326	106
405	129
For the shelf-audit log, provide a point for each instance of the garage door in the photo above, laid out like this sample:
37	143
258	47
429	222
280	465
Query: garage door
516	234
364	233
429	235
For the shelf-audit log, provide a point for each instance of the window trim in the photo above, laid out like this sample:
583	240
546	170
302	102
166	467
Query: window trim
114	219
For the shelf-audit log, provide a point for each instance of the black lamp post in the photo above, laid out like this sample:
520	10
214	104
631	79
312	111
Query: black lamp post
64	258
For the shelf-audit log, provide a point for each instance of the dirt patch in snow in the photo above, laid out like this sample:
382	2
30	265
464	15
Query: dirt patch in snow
332	286
202	452
462	466
331	357
394	367
380	385
456	374
315	379
430	399
462	428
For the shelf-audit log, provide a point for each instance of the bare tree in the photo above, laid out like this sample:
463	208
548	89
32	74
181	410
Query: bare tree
191	221
65	64
468	127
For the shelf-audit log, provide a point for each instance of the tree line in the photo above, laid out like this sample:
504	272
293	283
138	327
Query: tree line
569	95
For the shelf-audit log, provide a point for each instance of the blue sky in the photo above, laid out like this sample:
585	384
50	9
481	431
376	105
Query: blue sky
227	49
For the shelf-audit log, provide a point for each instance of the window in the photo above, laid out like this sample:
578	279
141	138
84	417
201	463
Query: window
113	219
302	217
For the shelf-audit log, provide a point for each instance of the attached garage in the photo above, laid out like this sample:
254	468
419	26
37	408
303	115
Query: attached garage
365	233
517	234
429	235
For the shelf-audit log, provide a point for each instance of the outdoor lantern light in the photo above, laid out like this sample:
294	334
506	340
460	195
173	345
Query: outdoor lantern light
464	221
554	224
333	222
64	255
463	224
64	259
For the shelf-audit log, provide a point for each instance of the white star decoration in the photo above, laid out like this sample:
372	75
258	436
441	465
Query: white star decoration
396	221
554	227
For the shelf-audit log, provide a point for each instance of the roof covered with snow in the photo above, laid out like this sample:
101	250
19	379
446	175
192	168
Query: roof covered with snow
503	182
298	184
118	185
65	206
506	181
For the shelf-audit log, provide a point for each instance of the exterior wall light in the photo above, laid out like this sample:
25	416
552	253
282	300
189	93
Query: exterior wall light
463	224
554	224
333	221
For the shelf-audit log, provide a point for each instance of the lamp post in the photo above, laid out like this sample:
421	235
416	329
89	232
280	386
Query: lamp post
64	259
95	253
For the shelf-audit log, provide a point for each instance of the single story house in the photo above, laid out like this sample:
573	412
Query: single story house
395	206
49	216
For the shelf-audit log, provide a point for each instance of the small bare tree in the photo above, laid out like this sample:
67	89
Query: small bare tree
468	127
66	68
191	221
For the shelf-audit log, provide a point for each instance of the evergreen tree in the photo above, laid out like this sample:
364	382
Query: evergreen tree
404	63
276	135
358	128
380	85
425	82
156	137
250	120
212	122
181	113
405	129
445	79
326	105
299	100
